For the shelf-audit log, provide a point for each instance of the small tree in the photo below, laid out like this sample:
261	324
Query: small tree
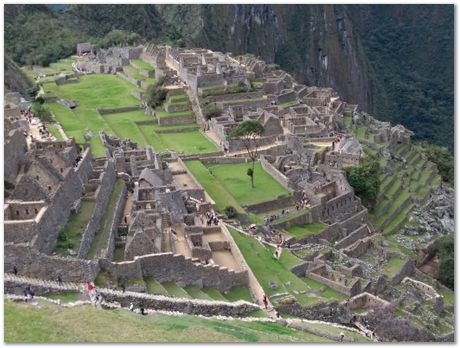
248	132
155	95
210	111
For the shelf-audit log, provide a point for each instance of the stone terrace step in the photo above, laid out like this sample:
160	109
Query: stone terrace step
174	290
198	305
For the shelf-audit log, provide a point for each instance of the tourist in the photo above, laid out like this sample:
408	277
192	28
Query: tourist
15	270
276	253
265	301
59	279
123	288
342	335
143	310
131	307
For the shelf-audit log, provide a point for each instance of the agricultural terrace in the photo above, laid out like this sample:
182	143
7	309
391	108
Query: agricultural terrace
100	91
269	270
228	184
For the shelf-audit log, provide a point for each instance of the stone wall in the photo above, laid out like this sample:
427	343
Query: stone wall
172	120
177	107
117	110
225	160
166	267
331	312
359	233
276	174
157	302
304	218
85	166
406	270
102	196
330	233
58	212
31	263
278	203
119	209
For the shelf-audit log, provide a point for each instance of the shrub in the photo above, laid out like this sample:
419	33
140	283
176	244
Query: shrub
155	95
210	111
230	212
365	181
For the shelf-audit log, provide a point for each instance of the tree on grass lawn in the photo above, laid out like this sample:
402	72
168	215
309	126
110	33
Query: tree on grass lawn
248	132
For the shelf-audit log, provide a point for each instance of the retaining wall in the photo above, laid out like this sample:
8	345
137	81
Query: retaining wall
166	267
117	110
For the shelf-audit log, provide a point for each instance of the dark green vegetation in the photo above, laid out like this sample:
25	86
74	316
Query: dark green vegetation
155	95
51	323
443	159
444	249
410	51
402	55
365	180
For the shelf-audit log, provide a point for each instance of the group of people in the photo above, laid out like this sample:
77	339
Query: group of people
94	294
273	217
133	308
211	219
28	293
77	160
303	203
43	131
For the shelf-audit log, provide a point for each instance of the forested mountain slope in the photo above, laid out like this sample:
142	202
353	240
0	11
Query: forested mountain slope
395	61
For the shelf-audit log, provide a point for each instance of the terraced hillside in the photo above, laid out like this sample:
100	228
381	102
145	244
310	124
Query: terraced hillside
407	179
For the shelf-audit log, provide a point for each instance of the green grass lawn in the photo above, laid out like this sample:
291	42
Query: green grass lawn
101	236
53	129
51	323
70	236
175	291
124	126
239	293
393	266
235	180
154	287
65	297
185	142
90	93
305	230
449	295
143	64
196	292
135	73
213	186
163	113
268	269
